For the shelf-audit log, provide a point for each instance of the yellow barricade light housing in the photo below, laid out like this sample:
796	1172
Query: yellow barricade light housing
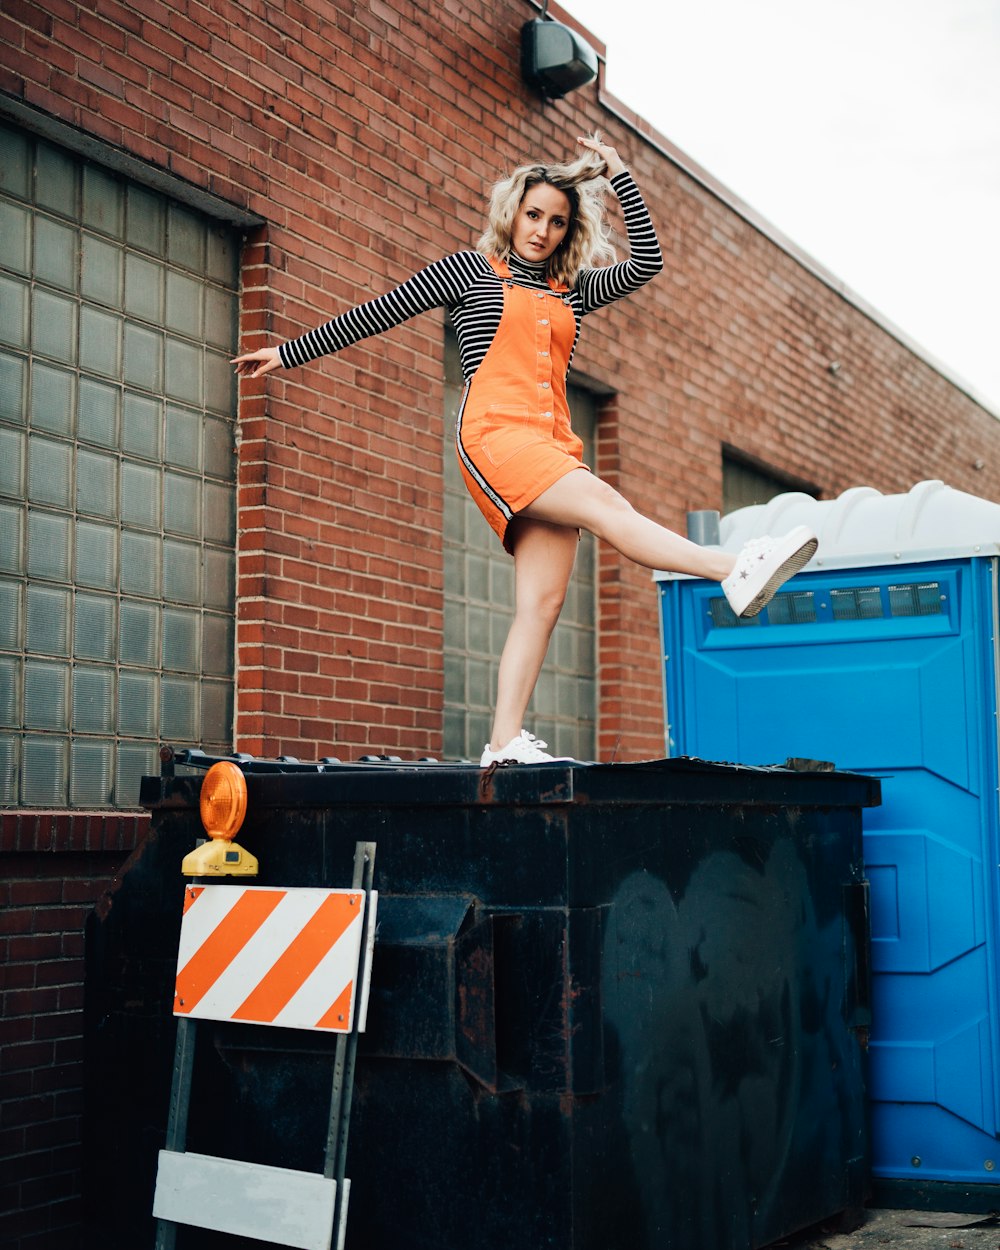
223	806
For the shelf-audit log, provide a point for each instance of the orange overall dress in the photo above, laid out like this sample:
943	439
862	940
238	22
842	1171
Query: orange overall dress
513	436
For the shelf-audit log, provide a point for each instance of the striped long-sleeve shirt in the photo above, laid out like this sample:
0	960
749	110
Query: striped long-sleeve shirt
465	284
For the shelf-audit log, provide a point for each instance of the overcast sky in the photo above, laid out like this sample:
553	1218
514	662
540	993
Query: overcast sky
867	132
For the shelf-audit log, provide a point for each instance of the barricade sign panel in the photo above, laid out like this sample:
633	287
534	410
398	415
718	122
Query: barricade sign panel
287	958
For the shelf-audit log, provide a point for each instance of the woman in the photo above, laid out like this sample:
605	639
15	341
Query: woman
516	305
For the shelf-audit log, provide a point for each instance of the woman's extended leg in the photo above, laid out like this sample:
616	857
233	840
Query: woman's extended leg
749	579
543	561
581	500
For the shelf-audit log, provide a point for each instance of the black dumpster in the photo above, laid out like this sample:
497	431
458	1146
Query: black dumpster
613	1007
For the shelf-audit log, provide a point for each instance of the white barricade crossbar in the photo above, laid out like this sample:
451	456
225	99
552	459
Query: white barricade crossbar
246	1199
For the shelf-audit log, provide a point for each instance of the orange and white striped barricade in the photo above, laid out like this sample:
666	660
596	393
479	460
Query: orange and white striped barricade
281	958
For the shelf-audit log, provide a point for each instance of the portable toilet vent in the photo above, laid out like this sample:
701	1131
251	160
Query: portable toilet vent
881	657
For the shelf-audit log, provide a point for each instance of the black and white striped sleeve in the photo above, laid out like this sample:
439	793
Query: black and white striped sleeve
604	285
440	284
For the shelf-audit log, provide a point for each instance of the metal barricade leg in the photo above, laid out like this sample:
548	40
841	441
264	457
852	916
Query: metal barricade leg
347	1047
180	1103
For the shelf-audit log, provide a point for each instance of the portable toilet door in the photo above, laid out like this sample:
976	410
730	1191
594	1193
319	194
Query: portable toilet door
881	657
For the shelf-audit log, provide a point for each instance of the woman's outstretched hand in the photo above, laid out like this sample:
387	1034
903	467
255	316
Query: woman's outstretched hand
607	153
256	364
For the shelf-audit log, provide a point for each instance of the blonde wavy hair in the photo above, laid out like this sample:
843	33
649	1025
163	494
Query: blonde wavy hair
587	241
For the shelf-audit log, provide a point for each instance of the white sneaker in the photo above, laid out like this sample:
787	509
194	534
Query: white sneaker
524	749
763	564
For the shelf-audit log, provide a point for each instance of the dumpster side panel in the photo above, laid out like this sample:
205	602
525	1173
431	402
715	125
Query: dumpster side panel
615	1010
437	1163
727	983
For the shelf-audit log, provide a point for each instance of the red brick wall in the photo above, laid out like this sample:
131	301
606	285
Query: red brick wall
366	135
53	867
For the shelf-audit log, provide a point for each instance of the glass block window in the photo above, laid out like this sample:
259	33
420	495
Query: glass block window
118	317
746	482
479	607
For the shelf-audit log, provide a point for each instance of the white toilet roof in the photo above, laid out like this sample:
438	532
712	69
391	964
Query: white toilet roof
863	527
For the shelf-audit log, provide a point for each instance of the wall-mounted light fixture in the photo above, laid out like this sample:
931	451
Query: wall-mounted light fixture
554	59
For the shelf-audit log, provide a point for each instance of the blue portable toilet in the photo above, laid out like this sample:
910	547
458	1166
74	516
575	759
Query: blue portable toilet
881	657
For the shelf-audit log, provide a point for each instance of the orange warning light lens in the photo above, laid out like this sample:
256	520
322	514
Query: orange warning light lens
223	800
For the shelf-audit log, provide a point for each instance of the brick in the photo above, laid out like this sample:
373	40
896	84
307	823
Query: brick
34	947
35	893
26	1055
47	1132
30	15
65	1024
26	1111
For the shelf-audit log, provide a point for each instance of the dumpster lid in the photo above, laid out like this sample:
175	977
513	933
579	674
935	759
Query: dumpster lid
386	781
863	527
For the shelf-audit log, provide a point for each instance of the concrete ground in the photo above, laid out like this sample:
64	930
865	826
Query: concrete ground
904	1230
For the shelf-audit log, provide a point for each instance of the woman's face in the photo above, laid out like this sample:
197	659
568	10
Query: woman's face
541	223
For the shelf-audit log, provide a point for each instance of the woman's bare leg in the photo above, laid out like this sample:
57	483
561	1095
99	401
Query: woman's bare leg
580	500
543	561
